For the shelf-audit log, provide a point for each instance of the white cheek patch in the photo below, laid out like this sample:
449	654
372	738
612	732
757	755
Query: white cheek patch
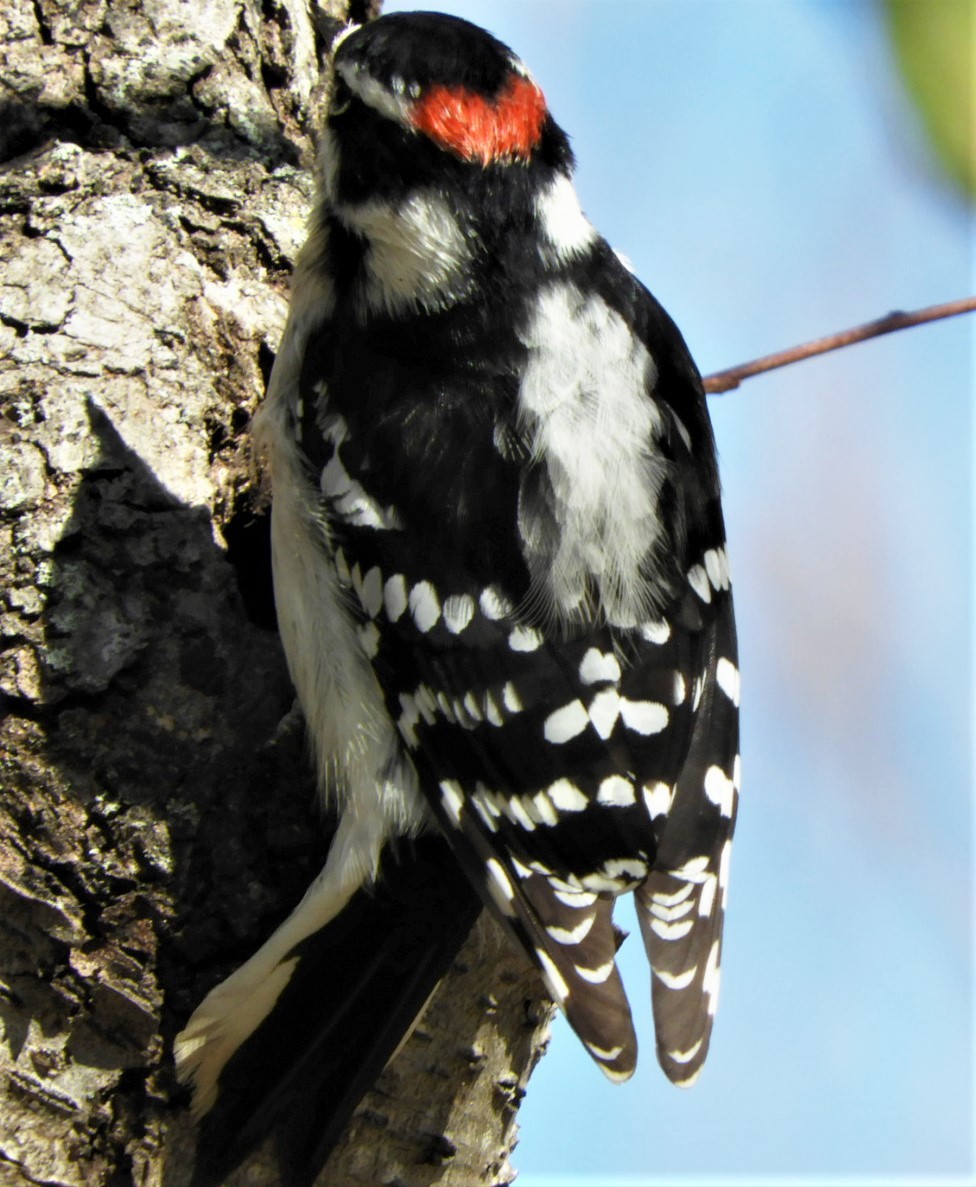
418	255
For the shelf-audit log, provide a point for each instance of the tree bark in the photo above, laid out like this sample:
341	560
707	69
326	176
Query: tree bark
158	816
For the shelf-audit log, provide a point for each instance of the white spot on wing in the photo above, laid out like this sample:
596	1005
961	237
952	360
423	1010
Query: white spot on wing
598	666
698	580
458	610
453	800
395	597
716	566
727	677
493	713
643	717
525	638
543	808
616	791
494	605
655	632
712	978
604	711
658	799
566	796
719	789
566	723
500	886
371	594
425	609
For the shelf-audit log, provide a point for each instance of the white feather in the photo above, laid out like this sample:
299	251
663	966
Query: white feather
584	404
419	255
353	736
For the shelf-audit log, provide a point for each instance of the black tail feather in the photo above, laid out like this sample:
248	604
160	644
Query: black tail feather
358	987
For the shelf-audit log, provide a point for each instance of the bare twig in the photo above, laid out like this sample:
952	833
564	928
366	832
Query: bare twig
724	381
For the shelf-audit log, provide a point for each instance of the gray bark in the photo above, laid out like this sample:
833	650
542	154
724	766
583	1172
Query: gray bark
157	816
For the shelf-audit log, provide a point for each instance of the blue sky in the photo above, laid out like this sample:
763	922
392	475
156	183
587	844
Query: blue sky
759	164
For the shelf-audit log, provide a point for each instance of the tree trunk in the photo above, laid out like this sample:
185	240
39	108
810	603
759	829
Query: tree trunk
158	814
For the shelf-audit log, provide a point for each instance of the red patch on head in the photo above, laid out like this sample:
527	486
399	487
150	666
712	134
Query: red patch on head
479	130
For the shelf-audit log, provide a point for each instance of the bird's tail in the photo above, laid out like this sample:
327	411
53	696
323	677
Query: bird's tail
339	1004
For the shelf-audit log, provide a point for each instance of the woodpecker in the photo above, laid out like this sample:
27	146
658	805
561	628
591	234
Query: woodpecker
503	592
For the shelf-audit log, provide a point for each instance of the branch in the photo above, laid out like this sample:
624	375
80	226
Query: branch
724	381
